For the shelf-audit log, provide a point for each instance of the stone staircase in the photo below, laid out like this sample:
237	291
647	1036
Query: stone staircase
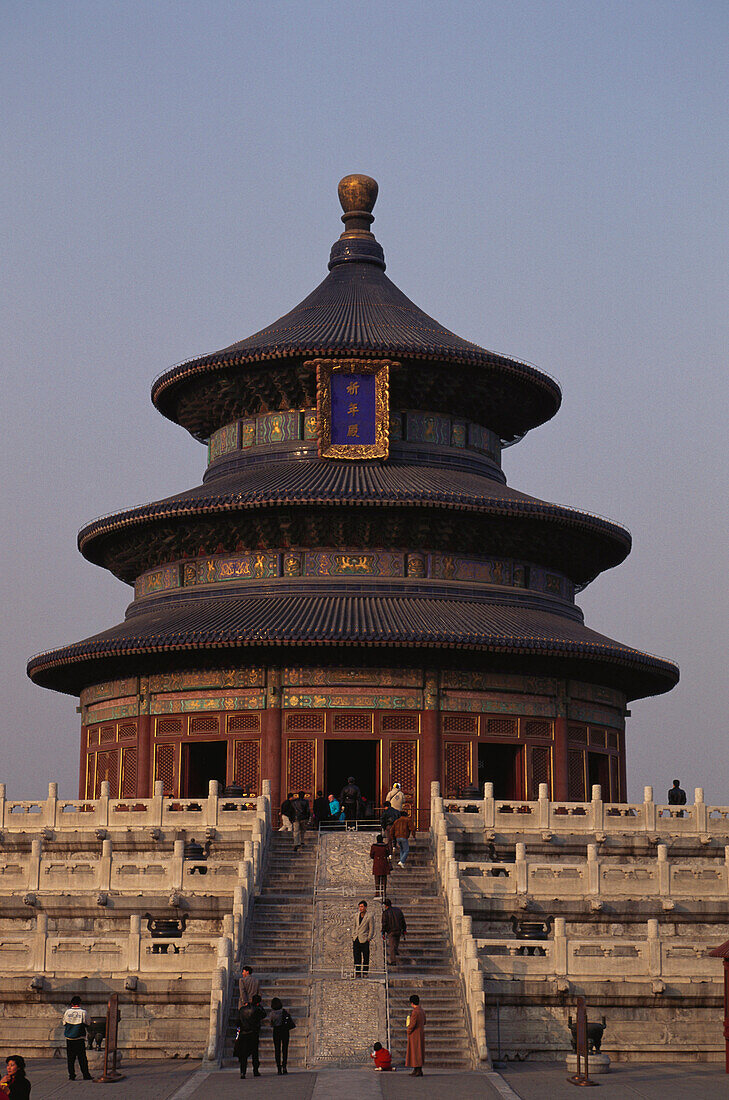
426	967
278	945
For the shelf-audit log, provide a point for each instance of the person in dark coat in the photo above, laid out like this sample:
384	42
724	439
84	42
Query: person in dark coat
15	1084
677	797
381	868
388	819
394	926
279	1021
415	1028
288	814
320	809
351	798
250	1018
302	813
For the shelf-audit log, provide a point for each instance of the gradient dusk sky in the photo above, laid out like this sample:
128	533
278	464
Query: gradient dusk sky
553	185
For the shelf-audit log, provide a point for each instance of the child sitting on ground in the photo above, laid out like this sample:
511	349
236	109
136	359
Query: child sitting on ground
381	1057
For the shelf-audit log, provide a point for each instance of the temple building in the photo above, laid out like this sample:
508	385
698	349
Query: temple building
354	588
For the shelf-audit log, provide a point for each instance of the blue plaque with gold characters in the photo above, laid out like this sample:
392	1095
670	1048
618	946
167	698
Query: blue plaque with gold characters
352	407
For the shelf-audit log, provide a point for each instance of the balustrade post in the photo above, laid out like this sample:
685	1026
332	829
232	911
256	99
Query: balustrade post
559	961
649	810
655	960
521	869
543	806
701	817
156	809
177	864
104	872
664	871
211	805
2	804
51	806
134	943
40	943
104	803
593	871
598	809
36	848
489	806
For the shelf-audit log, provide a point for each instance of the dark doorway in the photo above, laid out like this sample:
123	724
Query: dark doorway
598	771
345	758
200	763
502	765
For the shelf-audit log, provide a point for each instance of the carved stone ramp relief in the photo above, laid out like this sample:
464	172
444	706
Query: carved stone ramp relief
347	1014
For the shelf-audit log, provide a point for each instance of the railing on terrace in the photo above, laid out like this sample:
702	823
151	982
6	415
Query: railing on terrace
601	818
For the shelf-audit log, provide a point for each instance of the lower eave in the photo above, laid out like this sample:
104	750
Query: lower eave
255	623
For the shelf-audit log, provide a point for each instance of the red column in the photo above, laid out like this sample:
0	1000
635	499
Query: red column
271	723
561	775
430	763
144	756
82	764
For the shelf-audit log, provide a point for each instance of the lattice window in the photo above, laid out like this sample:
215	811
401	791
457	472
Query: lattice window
597	737
129	773
400	723
502	727
539	770
90	769
93	738
169	725
300	769
614	782
575	776
127	731
107	734
578	734
352	723
107	769
247	765
305	721
457	767
244	723
459	723
164	767
404	766
207	723
613	740
537	728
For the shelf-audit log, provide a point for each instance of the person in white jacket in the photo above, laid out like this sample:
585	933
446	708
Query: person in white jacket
75	1022
396	797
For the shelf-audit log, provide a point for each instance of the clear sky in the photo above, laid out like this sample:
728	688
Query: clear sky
553	185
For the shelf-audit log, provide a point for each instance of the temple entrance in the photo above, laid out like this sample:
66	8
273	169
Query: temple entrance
503	766
345	758
598	771
202	762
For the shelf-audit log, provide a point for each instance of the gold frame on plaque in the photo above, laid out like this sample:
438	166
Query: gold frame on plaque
325	368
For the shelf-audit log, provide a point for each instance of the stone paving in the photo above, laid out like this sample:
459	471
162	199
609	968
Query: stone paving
625	1081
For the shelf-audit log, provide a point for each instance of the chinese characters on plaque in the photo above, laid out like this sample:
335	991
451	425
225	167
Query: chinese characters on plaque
353	408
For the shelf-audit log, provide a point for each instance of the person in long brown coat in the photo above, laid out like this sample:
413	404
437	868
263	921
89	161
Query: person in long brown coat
415	1056
381	866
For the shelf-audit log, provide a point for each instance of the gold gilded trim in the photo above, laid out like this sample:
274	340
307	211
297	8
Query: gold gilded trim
380	368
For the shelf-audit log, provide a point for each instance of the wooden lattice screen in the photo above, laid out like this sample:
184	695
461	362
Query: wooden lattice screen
575	775
352	723
107	769
457	770
502	727
539	771
247	766
404	768
459	723
164	768
301	759
128	773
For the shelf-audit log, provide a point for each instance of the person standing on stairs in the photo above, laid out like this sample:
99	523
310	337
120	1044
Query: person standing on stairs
301	819
381	866
248	986
396	797
394	926
250	1018
415	1027
281	1023
402	831
351	799
363	930
287	814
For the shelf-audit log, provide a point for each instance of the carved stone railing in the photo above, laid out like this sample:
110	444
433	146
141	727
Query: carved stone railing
596	878
215	811
460	924
648	818
648	959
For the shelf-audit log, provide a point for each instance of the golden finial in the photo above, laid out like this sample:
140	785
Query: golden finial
357	194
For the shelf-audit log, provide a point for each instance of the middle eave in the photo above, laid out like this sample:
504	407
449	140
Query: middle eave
319	499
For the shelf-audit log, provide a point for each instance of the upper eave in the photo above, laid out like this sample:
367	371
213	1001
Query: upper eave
358	311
